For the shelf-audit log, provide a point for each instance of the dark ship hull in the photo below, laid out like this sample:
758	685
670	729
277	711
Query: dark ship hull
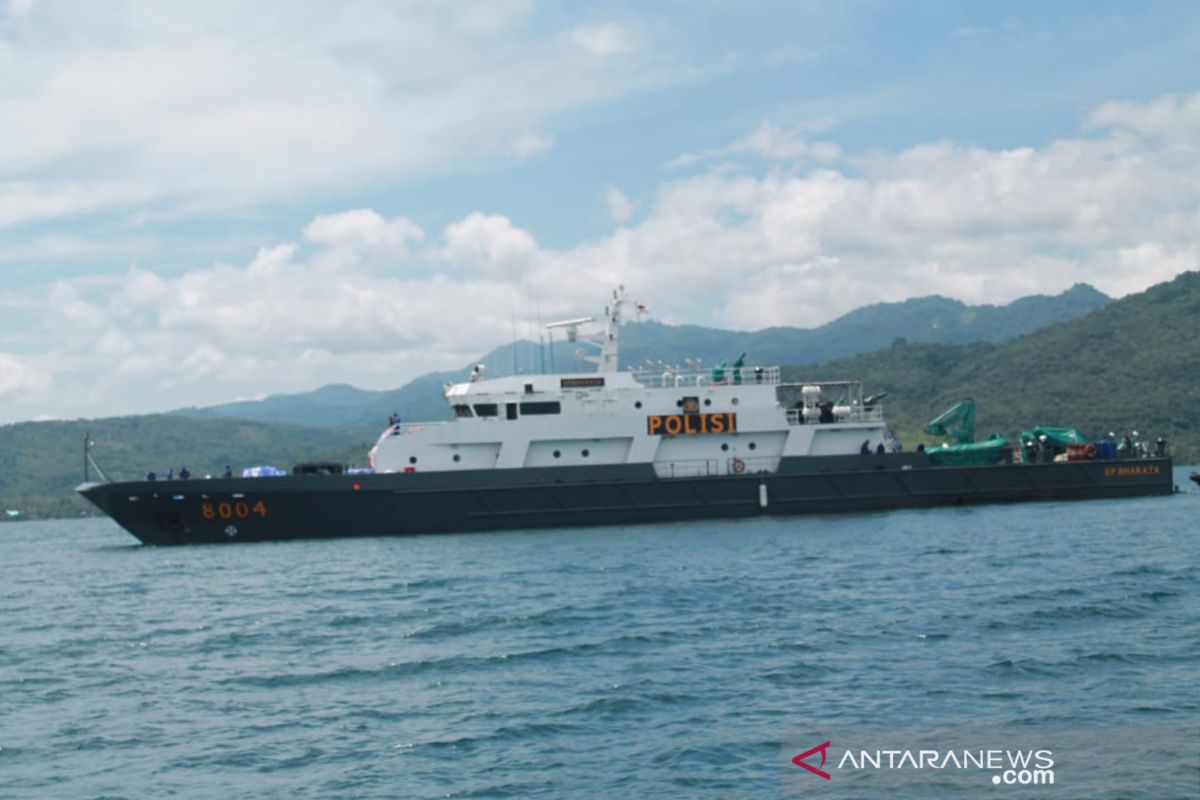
319	506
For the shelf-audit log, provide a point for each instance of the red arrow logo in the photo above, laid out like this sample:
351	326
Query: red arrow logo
799	760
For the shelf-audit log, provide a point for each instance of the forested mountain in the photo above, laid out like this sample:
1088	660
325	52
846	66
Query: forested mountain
1133	365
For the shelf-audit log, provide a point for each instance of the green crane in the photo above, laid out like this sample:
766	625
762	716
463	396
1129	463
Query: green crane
956	423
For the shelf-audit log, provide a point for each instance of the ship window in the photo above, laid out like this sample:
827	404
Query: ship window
585	453
734	401
638	404
529	388
708	401
753	445
462	410
551	407
457	457
510	410
725	446
557	454
487	410
412	459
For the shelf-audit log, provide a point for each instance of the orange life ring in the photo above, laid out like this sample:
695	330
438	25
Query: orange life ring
738	466
1090	451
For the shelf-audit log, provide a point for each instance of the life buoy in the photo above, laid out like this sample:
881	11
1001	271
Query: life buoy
1090	451
738	466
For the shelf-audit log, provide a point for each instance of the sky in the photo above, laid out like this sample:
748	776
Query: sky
213	201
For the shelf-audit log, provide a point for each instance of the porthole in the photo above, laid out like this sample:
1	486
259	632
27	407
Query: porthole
753	445
557	454
412	459
457	457
638	404
734	401
708	401
679	404
585	453
724	446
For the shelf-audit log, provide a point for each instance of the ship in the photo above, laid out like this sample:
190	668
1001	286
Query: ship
612	446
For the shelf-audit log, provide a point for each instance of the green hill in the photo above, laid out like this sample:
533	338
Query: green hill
1132	365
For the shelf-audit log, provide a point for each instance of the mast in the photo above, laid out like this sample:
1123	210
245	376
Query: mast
609	341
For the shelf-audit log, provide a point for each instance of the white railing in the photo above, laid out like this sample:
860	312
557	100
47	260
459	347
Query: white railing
812	416
668	377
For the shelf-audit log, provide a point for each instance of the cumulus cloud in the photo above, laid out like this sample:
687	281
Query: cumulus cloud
365	230
1175	117
372	300
489	243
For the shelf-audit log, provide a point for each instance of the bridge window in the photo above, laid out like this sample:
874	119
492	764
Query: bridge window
462	410
550	407
487	410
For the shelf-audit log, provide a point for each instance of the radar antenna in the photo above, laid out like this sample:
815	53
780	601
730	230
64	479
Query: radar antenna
608	340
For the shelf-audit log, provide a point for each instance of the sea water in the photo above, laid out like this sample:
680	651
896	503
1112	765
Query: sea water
639	661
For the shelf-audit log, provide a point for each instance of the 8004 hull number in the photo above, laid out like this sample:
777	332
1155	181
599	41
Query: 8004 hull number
241	509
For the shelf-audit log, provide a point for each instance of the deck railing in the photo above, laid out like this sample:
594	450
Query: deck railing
711	467
797	416
668	377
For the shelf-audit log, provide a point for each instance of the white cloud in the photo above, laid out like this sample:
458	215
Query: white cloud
18	377
220	107
26	201
489	243
370	300
776	143
530	144
602	40
1174	117
619	206
770	142
364	229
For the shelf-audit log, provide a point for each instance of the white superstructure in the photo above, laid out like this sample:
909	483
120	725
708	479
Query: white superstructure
686	422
